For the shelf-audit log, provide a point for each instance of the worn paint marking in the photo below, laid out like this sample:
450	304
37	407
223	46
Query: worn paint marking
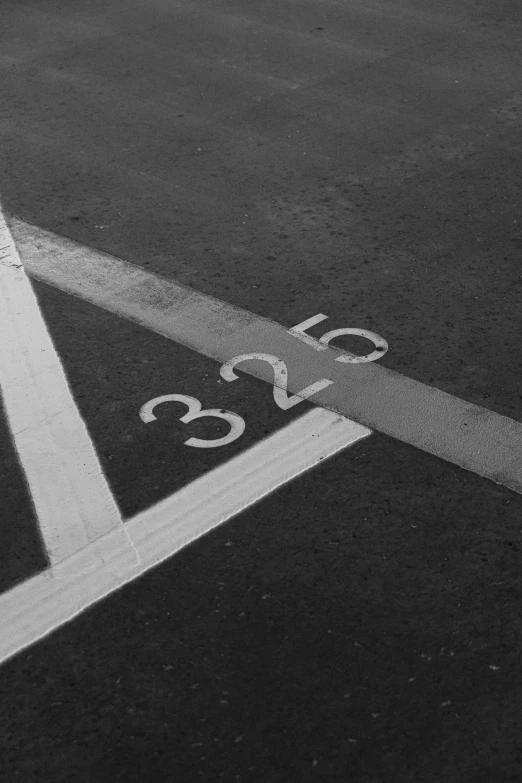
468	435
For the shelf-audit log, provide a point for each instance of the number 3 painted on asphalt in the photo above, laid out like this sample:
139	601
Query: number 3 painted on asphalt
237	424
280	379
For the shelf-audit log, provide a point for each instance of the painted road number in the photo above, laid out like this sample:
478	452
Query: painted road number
280	379
281	398
237	424
299	331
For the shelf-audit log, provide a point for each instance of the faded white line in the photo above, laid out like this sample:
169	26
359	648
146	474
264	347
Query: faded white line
33	609
468	435
73	502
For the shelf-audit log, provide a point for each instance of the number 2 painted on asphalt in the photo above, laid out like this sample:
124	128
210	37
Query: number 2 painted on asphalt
280	379
237	424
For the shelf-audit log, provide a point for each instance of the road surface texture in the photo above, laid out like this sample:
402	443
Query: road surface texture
361	623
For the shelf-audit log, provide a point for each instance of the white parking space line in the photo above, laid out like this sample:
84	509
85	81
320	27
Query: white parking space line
33	609
72	499
468	435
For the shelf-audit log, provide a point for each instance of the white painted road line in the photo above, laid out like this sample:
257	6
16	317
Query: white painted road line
468	435
73	502
33	609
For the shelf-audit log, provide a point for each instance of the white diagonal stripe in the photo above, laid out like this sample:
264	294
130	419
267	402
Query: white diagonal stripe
36	607
73	502
423	416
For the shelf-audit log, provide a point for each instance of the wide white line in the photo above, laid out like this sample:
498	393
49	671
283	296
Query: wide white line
468	435
33	609
73	502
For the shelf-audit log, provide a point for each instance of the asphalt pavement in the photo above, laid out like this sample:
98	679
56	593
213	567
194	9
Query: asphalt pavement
352	616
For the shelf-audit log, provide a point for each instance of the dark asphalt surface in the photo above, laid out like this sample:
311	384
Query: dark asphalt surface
362	623
362	160
369	169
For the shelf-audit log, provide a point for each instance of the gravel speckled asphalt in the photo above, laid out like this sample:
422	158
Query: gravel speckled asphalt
361	160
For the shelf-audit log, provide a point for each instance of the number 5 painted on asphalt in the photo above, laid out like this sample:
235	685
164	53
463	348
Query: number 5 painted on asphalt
237	424
381	346
280	379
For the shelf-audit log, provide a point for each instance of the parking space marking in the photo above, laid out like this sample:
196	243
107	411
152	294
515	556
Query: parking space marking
72	499
36	607
467	435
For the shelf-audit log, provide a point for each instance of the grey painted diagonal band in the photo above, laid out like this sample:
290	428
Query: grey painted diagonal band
467	435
